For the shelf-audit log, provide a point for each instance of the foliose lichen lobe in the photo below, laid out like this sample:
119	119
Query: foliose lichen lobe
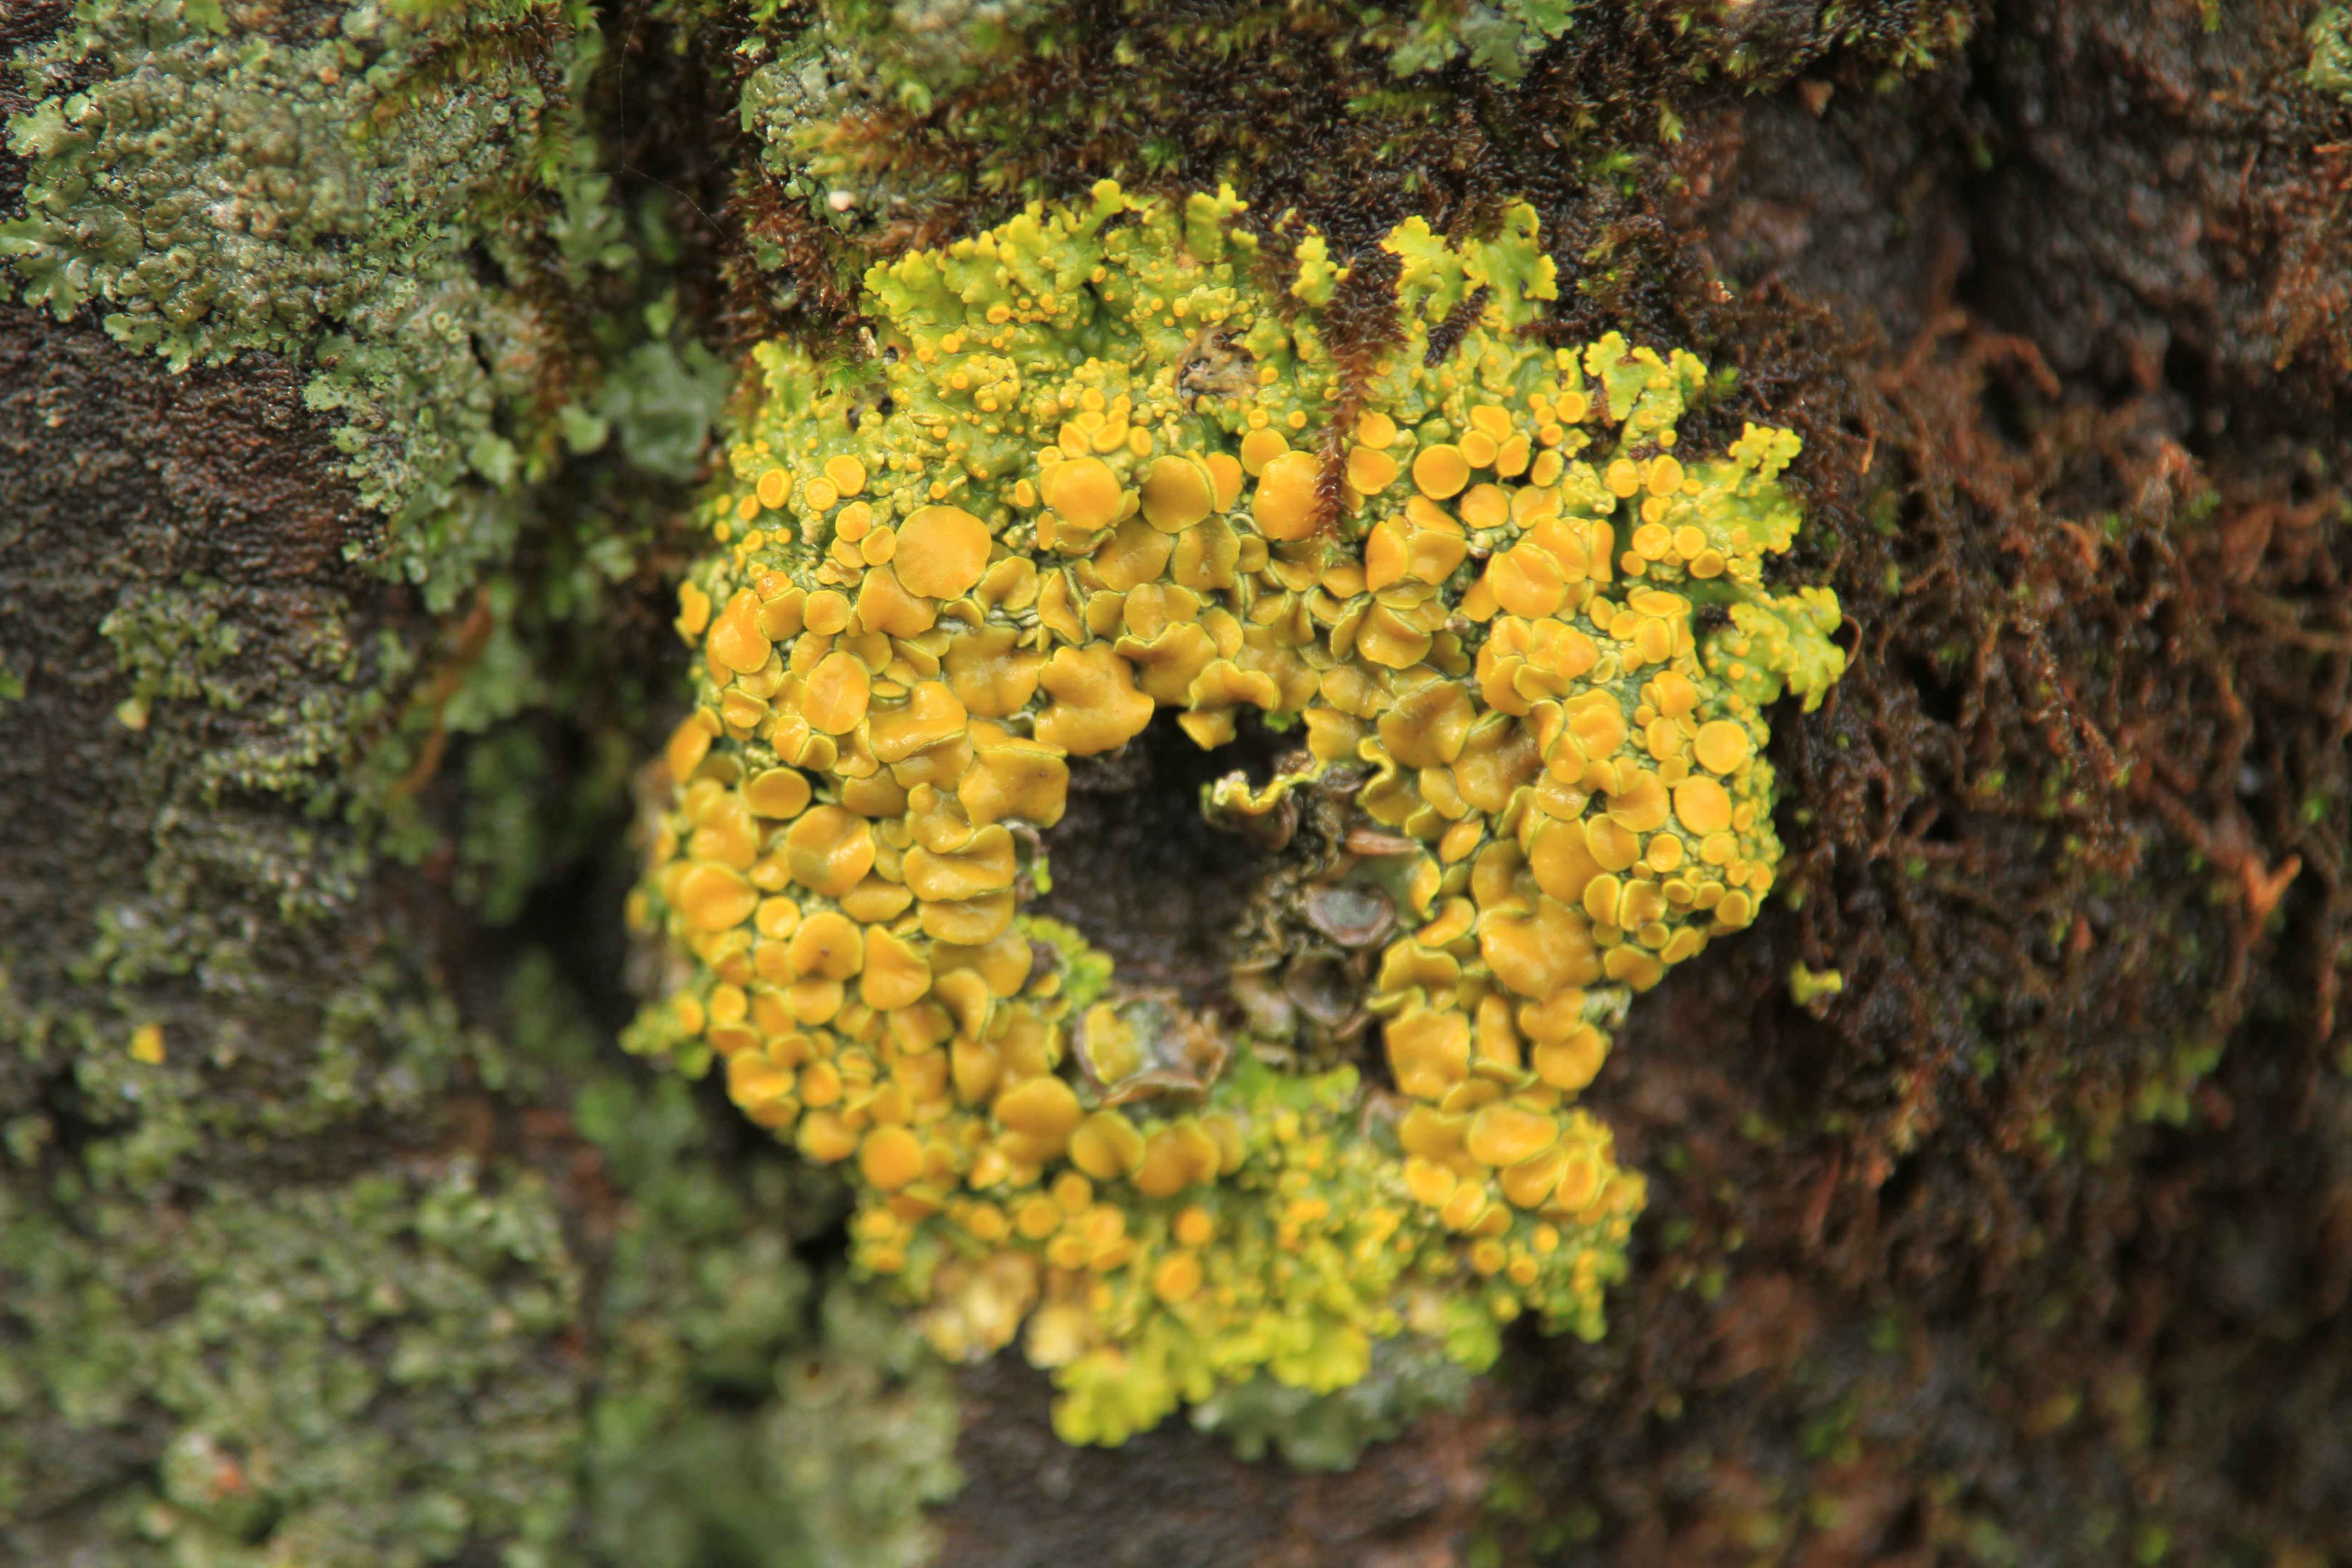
1107	460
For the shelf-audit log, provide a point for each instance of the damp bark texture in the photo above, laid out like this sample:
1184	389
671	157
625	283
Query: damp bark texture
360	368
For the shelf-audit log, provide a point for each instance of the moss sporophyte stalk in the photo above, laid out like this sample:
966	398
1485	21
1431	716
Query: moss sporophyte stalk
1094	469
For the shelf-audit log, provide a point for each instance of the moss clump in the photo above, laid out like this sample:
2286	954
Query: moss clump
1106	462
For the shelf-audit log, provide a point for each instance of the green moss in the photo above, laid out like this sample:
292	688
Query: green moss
877	120
747	1411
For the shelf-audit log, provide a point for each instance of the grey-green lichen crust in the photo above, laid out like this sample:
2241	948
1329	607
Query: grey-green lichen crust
403	200
298	1320
280	1282
391	194
412	1363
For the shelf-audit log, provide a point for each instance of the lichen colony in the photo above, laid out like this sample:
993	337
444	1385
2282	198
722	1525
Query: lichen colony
1095	467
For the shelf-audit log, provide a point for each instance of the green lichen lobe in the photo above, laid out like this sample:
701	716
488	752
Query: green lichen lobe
2330	35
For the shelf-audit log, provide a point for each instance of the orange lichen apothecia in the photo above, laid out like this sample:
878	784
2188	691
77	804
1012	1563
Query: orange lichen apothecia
1093	470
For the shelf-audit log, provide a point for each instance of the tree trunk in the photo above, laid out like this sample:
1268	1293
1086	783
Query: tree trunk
360	369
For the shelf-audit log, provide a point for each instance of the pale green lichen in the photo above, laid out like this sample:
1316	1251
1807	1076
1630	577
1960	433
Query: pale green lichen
405	1365
282	1360
334	191
747	1411
404	201
271	1333
303	692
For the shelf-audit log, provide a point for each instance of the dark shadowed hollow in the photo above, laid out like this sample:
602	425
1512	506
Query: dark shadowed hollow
1141	870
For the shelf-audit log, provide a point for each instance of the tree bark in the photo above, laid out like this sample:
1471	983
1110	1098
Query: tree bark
2001	1178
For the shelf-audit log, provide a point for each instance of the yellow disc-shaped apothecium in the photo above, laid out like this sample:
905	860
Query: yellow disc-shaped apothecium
777	793
1260	447
891	1157
829	850
1287	505
1177	1278
1177	493
715	897
1106	1145
1722	745
1702	805
1084	492
1505	1134
1441	471
941	552
1043	1107
736	639
1096	705
1370	470
837	693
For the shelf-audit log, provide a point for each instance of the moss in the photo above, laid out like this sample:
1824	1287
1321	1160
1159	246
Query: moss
749	1406
1104	461
877	124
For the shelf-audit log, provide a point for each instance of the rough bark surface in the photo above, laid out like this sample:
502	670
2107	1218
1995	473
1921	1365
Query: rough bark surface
2034	1244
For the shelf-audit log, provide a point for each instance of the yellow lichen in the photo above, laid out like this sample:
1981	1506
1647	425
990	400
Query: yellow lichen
1487	604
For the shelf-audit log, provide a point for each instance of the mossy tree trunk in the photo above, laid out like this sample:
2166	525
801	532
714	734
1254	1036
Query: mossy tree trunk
358	365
